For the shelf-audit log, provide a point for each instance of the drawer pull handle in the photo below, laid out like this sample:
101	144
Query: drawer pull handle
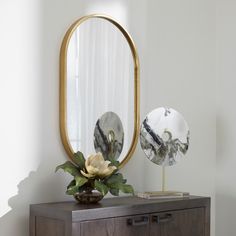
162	218
144	220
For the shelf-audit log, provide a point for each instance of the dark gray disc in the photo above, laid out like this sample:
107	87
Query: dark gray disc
109	136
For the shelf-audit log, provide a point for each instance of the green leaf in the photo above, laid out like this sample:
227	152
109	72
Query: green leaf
72	190
76	185
101	187
71	184
114	162
114	185
126	188
116	178
80	180
69	168
114	191
116	182
78	159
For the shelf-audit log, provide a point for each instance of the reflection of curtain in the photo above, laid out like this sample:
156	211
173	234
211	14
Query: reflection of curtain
100	79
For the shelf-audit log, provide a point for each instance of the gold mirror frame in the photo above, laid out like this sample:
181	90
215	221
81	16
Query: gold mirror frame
63	85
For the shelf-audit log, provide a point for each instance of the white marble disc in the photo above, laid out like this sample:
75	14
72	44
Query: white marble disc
164	136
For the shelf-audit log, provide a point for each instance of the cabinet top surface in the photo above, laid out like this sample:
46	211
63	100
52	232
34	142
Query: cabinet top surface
116	206
118	202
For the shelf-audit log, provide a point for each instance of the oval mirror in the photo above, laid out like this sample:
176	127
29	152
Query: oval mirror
164	136
99	73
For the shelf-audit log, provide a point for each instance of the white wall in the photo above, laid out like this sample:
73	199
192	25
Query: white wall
226	117
174	40
181	56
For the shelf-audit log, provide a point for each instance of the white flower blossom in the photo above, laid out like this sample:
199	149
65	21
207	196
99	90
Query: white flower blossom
96	166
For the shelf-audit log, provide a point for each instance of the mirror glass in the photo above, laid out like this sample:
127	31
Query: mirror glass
164	136
98	70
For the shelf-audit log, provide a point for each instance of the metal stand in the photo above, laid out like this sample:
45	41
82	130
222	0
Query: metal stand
163	188
163	193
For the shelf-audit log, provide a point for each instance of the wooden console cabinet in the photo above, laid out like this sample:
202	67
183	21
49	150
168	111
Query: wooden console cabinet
123	216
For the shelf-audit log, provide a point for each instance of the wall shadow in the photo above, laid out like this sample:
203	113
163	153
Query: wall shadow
41	185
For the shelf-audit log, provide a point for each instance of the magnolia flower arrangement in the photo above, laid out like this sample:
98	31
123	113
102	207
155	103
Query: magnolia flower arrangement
94	173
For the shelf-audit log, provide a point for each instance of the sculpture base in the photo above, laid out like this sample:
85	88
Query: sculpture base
163	194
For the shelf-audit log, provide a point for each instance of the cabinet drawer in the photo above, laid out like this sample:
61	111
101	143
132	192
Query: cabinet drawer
121	226
179	223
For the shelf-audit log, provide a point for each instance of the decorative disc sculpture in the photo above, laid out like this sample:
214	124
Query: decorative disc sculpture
164	137
109	136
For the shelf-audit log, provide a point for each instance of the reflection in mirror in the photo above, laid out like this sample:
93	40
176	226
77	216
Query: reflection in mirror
164	136
100	79
99	73
109	136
